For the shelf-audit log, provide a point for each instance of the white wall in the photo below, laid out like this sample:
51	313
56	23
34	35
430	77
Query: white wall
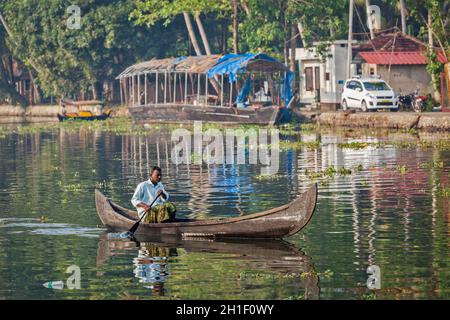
334	65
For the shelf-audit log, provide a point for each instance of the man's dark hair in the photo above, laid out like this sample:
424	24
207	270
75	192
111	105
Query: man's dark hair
157	169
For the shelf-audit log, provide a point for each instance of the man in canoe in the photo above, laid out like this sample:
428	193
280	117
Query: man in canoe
162	210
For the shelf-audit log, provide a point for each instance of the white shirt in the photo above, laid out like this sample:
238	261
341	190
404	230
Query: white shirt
146	192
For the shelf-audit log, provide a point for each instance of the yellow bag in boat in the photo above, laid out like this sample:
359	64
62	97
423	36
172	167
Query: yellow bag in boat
85	114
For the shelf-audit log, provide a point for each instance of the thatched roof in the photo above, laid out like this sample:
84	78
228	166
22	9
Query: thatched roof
203	64
191	64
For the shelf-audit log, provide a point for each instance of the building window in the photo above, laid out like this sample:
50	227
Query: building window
309	83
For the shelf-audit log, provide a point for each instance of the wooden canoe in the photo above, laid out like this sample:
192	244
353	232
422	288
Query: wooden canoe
275	223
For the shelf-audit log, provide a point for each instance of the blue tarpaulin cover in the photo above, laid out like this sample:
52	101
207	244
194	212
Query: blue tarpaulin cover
234	64
245	91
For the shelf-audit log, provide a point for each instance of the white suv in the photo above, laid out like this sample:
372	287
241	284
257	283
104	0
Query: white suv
368	94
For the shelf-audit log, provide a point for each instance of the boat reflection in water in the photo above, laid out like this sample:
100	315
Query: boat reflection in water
152	267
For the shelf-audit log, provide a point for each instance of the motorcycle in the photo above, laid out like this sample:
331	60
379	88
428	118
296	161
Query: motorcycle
412	101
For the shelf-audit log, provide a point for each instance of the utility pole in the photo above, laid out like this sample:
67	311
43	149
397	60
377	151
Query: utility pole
350	38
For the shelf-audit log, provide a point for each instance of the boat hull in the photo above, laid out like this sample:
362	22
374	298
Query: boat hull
275	223
103	116
190	113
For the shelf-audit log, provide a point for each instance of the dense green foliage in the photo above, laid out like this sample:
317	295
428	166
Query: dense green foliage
114	34
70	61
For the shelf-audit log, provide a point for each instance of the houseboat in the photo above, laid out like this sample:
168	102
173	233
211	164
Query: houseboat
234	89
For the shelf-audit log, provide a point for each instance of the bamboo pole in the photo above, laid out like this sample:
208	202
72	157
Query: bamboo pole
121	95
180	85
156	93
134	89
206	88
221	93
198	89
185	87
175	88
145	84
139	88
231	94
165	87
128	91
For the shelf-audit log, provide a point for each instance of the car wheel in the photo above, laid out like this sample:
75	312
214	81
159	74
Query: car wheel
394	109
364	106
344	105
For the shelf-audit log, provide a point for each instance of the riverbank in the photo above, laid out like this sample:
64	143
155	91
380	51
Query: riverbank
429	121
48	113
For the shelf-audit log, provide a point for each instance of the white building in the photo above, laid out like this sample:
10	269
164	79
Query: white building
322	80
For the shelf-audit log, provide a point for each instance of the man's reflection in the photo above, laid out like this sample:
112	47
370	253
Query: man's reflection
152	267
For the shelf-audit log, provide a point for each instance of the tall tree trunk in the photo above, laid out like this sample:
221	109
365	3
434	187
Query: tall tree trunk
293	48
403	15
225	36
94	91
436	93
191	32
287	32
8	31
36	95
202	33
332	32
369	19
245	7
12	93
235	27
207	48
301	30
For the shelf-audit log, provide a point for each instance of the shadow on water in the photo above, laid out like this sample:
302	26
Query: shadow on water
151	264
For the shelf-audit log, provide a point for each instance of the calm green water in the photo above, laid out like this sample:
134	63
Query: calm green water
392	211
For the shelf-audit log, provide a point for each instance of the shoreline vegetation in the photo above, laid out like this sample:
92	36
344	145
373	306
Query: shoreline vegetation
293	136
402	121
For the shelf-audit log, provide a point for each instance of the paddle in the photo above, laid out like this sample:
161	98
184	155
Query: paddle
136	225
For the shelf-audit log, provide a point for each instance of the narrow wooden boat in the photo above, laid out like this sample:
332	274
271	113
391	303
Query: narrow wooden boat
275	223
83	116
